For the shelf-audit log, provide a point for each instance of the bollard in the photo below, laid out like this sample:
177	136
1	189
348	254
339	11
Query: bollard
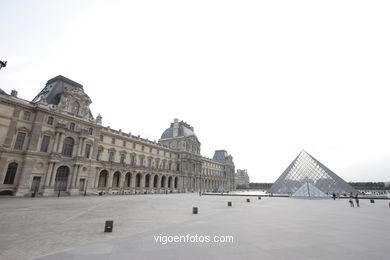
229	203
248	200
195	210
109	226
259	198
372	201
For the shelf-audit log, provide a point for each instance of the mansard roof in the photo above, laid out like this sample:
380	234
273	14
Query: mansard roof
2	92
184	129
54	89
221	156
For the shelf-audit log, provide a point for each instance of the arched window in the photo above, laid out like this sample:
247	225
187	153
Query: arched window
155	181
138	180
147	181
176	183
128	179
115	180
61	181
163	182
11	172
67	148
76	108
103	176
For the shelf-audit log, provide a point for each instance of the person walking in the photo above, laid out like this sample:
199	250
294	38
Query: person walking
334	196
357	200
350	200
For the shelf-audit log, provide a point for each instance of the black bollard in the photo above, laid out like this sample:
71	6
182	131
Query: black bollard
195	210
109	225
372	201
229	203
248	200
259	198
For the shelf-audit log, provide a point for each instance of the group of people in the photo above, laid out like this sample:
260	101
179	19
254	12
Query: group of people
351	197
351	200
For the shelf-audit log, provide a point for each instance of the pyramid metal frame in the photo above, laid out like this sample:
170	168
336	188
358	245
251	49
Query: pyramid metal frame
305	168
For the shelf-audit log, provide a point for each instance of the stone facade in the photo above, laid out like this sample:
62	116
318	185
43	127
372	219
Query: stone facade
242	178
54	145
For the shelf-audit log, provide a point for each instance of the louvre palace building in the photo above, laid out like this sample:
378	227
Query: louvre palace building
53	145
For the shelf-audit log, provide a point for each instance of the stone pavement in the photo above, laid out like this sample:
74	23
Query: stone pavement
271	228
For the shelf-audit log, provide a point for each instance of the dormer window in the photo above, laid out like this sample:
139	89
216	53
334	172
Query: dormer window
75	108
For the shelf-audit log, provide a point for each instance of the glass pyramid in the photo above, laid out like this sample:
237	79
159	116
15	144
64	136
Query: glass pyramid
309	190
305	169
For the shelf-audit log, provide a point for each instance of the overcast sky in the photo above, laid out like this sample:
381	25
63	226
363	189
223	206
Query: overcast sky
260	79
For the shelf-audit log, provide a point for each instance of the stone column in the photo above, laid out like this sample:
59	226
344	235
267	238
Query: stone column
79	147
3	167
60	143
78	176
53	176
109	182
121	180
48	174
97	175
54	147
23	177
142	186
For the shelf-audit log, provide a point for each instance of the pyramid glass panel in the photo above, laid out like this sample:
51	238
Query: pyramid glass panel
305	169
309	190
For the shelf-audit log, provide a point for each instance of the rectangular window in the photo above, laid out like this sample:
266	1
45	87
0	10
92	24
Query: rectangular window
45	143
113	140
101	138
132	160
143	148
124	143
87	150
150	150
99	155
111	157
19	141
178	167
134	145
26	115
123	158
50	120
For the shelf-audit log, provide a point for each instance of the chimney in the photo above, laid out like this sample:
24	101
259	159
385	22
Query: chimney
175	127
14	93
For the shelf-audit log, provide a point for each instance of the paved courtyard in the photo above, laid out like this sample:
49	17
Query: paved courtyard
271	228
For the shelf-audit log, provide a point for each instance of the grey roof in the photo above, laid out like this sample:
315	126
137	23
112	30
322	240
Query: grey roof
184	130
220	156
54	88
2	92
